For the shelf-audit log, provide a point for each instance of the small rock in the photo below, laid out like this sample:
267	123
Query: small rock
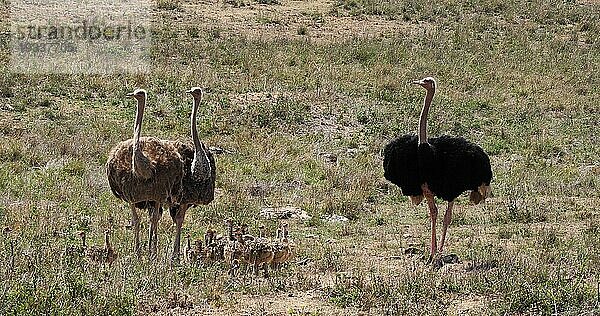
352	151
335	218
56	163
482	266
450	258
218	150
303	262
445	259
6	107
413	251
330	157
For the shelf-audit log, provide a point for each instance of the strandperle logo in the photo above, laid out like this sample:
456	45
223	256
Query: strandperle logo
66	36
81	32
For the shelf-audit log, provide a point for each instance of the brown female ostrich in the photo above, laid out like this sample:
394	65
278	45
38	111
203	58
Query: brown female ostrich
198	184
444	166
145	169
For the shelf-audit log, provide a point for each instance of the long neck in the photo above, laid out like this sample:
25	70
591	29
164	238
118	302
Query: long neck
193	124
106	241
424	114
140	164
139	114
84	245
200	154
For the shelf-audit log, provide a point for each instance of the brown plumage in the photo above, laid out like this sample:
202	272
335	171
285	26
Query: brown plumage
145	169
198	184
236	252
214	246
193	252
282	247
260	252
102	254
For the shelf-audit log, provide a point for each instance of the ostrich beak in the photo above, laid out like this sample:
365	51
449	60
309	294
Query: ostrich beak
129	95
417	82
188	91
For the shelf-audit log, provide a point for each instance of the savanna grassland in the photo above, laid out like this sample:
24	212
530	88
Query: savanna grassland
291	81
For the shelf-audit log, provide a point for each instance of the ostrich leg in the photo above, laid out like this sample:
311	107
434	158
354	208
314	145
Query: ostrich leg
154	211
178	218
447	219
433	212
135	223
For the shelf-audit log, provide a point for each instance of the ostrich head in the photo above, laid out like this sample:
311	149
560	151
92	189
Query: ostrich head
138	94
428	83
196	92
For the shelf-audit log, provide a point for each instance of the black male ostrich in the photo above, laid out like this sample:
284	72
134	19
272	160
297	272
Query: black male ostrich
444	167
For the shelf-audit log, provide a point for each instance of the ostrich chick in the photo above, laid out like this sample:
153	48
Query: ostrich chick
103	254
193	252
282	248
236	252
260	252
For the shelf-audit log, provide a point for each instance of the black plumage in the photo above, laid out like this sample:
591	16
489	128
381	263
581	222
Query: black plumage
449	165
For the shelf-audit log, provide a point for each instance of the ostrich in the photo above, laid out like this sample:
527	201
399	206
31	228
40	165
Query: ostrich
215	245
106	253
260	251
444	167
144	171
198	184
282	247
193	253
236	252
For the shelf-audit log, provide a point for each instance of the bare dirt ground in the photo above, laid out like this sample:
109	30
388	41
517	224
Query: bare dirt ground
284	20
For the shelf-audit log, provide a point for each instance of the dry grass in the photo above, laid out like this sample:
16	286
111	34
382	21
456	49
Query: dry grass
516	77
